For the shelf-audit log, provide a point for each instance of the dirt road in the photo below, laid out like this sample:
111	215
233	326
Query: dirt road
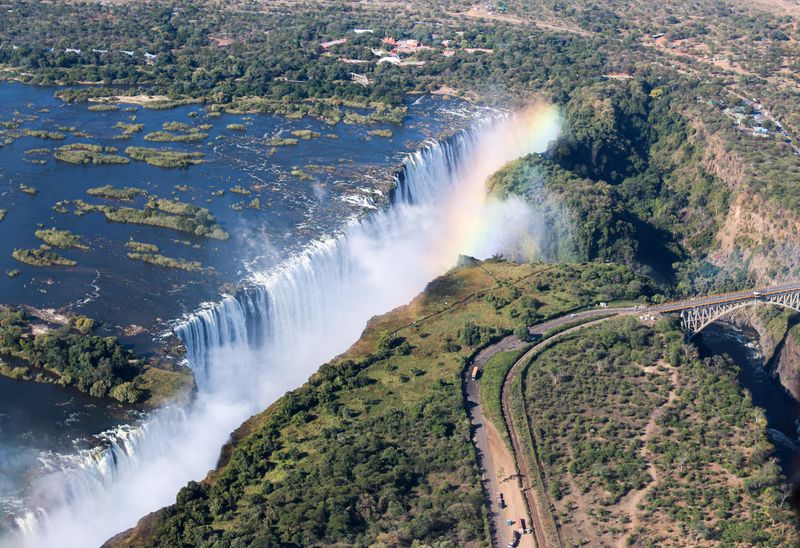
500	467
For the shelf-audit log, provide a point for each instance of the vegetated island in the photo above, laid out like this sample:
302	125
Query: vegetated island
162	157
41	256
63	239
159	212
45	346
84	153
125	194
149	253
169	137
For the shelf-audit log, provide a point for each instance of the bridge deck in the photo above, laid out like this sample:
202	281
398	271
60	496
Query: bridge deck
733	296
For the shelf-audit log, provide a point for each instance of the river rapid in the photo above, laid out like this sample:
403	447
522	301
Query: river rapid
250	347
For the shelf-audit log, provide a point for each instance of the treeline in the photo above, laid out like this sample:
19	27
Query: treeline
100	366
630	169
640	412
376	448
275	53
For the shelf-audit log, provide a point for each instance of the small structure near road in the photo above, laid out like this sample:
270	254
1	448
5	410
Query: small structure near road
360	79
331	43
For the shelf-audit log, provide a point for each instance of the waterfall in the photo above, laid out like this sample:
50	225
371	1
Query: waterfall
248	349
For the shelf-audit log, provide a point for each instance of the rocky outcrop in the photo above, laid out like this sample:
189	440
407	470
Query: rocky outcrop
759	237
788	364
779	338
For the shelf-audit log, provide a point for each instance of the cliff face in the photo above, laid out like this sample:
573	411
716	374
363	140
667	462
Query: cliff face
788	366
760	238
779	339
755	236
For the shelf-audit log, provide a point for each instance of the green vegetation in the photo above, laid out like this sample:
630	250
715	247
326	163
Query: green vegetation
630	181
237	127
167	137
128	129
3	213
162	213
305	134
379	433
38	151
161	157
42	134
83	153
176	126
491	380
282	141
239	189
29	190
140	247
41	257
166	262
639	413
103	108
112	193
71	356
63	239
381	133
302	175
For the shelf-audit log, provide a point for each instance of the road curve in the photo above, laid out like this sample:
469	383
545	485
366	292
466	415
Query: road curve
492	450
588	319
497	463
499	467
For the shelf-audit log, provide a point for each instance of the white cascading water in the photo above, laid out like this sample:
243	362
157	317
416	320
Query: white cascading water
247	350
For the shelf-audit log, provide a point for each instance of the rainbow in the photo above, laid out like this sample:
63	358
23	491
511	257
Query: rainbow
476	224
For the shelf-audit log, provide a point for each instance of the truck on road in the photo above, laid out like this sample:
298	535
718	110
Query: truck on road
475	373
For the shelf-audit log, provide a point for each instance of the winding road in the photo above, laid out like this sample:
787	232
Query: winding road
499	465
500	468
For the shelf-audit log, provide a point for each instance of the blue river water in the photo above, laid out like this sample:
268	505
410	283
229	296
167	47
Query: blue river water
347	172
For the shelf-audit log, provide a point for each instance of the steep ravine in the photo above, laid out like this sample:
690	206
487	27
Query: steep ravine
779	338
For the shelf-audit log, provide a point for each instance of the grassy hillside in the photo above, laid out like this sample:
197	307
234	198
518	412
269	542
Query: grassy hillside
376	448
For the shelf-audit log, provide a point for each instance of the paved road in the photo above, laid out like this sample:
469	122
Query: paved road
686	304
496	461
498	466
544	327
522	463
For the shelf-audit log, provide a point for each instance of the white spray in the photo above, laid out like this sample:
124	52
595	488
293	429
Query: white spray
246	351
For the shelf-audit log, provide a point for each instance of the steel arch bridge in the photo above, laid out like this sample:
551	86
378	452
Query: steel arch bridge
697	314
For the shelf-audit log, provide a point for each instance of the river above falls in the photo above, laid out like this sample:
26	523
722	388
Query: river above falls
272	200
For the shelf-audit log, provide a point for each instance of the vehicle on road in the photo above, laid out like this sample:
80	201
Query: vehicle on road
475	373
514	540
500	500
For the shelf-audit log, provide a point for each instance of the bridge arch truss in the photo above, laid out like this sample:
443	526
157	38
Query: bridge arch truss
695	319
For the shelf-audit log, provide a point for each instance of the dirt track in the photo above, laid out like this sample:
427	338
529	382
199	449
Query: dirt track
501	470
